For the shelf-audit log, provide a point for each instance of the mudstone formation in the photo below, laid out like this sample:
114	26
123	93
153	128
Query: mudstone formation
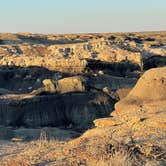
113	83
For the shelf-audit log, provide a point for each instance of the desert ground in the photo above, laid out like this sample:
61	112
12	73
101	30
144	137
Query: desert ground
83	99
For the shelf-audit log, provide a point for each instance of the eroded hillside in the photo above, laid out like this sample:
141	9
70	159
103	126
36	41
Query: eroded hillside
61	84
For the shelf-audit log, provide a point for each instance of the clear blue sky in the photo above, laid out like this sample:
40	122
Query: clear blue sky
77	16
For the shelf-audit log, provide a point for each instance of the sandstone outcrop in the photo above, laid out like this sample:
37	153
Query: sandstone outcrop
49	86
71	84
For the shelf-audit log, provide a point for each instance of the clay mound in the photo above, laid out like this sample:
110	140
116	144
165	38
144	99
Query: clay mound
151	86
138	123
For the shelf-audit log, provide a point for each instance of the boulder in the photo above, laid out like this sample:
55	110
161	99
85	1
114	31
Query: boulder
71	84
49	86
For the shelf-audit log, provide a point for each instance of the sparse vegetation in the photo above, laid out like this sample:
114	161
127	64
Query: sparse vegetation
68	81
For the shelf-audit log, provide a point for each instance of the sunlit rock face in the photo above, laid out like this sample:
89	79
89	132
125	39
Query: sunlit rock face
52	51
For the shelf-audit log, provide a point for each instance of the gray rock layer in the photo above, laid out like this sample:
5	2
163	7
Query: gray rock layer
78	109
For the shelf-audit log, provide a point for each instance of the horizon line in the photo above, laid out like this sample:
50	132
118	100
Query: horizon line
75	33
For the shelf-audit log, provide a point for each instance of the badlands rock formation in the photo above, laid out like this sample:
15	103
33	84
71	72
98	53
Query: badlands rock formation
65	52
138	124
78	109
62	83
96	70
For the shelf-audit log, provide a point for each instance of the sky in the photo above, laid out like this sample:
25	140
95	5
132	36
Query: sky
82	16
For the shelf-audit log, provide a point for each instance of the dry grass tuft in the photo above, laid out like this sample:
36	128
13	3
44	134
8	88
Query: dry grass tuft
119	158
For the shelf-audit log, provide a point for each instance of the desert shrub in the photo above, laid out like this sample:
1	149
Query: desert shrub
119	158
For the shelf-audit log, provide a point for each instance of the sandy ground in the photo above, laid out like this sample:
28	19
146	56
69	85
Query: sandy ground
31	153
8	148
